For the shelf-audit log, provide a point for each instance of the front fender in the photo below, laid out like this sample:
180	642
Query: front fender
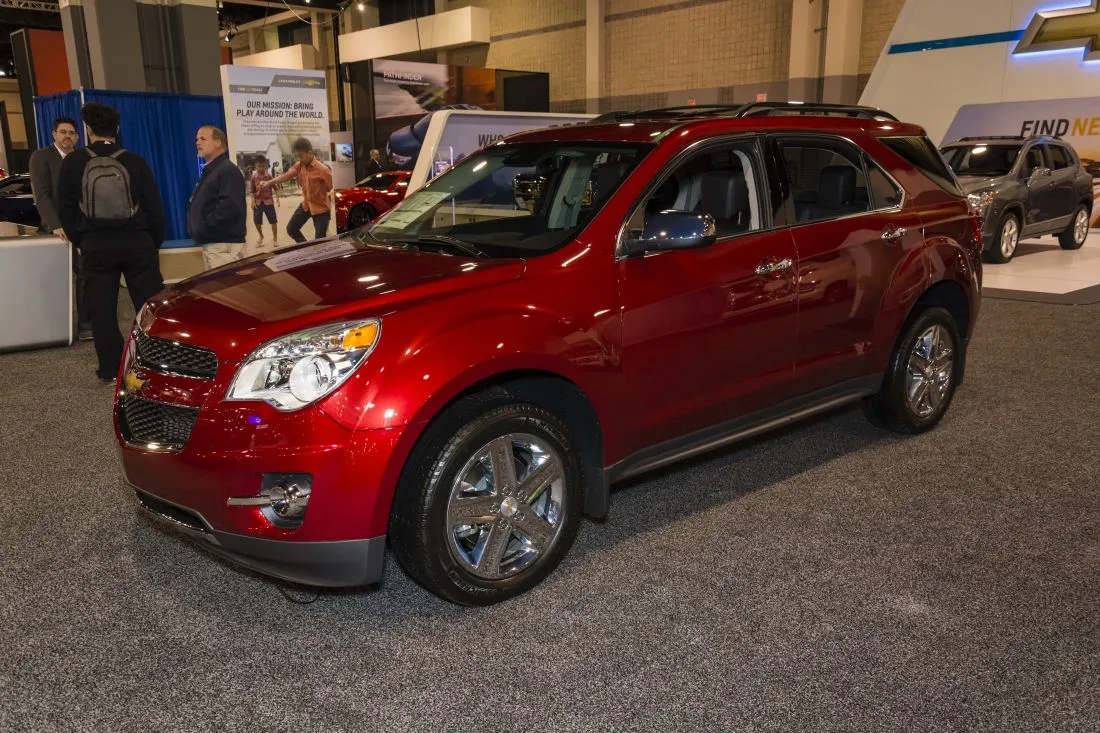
411	384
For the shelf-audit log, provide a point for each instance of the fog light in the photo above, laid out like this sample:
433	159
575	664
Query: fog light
289	500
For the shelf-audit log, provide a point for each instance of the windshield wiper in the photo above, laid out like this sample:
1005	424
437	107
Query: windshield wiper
464	247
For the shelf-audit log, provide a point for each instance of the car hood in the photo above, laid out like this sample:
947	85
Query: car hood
970	184
235	307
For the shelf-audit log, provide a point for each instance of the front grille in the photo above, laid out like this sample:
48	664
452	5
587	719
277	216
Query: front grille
160	355
144	422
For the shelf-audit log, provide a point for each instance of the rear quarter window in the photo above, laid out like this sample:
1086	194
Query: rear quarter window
921	153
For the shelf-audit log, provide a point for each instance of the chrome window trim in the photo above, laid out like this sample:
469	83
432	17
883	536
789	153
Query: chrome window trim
864	156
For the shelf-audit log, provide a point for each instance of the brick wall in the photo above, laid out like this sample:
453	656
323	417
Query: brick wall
879	17
656	46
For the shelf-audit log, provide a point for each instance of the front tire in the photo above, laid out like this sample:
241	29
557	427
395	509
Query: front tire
361	215
1078	230
1008	237
921	377
489	501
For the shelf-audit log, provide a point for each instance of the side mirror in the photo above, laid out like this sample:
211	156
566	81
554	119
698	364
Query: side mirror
669	230
1038	173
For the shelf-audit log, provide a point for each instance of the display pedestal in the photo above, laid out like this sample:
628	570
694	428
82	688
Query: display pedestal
36	289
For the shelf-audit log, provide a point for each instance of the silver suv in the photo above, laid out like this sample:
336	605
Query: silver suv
1023	187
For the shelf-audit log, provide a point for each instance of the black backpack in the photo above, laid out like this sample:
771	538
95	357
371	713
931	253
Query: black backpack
105	190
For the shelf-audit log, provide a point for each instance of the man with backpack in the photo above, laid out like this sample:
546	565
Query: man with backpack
111	210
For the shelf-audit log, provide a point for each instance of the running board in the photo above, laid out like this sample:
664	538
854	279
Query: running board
741	428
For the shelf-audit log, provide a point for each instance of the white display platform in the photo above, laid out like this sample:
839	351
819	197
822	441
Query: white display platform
1044	272
36	289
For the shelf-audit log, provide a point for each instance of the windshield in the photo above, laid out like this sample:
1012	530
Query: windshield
982	160
379	181
516	200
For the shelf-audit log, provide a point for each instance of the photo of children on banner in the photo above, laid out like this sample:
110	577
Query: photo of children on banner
265	201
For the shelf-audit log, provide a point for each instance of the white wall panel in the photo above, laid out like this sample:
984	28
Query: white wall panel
928	87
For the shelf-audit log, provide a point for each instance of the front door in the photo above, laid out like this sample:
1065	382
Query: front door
709	334
1042	197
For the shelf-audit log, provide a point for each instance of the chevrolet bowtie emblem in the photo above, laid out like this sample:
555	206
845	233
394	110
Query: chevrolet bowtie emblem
132	381
1059	30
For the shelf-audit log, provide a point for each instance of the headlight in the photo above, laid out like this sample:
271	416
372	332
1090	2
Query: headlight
979	202
301	368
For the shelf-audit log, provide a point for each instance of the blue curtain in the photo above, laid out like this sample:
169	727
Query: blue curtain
161	128
49	108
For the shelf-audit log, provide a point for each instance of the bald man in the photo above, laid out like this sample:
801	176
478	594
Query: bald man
216	215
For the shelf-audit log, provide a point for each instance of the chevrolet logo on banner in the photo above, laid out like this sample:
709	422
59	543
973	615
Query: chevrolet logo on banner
1060	30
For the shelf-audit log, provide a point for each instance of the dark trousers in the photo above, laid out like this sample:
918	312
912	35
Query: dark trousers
82	320
103	266
301	216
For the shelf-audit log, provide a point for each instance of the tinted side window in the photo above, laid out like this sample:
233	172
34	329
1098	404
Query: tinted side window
1059	159
16	187
884	192
920	152
1034	160
827	179
724	182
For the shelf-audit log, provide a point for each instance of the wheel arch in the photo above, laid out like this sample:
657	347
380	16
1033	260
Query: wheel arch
1012	207
540	385
952	297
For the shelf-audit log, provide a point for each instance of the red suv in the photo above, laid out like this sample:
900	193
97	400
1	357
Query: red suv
467	376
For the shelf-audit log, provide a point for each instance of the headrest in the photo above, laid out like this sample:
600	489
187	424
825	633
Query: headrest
836	186
724	194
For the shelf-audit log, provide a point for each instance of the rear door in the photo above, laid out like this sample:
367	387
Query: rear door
852	231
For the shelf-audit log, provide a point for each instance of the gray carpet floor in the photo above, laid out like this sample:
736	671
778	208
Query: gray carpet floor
827	578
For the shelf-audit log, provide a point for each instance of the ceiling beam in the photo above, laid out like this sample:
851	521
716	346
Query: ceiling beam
44	6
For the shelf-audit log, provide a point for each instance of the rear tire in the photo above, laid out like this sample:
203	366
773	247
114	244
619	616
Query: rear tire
1006	241
920	380
489	501
1078	230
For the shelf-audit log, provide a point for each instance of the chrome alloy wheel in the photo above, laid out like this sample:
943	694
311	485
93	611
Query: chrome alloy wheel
929	372
1010	237
505	509
1081	226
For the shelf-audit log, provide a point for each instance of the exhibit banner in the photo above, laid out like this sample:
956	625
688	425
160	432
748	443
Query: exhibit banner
454	134
407	93
1077	121
266	110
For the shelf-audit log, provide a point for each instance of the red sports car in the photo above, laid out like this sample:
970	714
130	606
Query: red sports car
369	199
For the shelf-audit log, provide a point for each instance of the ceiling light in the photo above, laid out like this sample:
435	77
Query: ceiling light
361	7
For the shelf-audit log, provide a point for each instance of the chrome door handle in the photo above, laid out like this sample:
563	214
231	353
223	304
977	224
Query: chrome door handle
893	234
770	268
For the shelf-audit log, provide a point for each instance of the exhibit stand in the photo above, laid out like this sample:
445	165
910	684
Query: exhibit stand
159	127
36	289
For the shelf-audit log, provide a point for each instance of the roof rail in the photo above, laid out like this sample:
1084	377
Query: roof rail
760	109
991	137
752	109
693	109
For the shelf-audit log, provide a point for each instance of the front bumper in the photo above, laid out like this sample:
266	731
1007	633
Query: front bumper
343	563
